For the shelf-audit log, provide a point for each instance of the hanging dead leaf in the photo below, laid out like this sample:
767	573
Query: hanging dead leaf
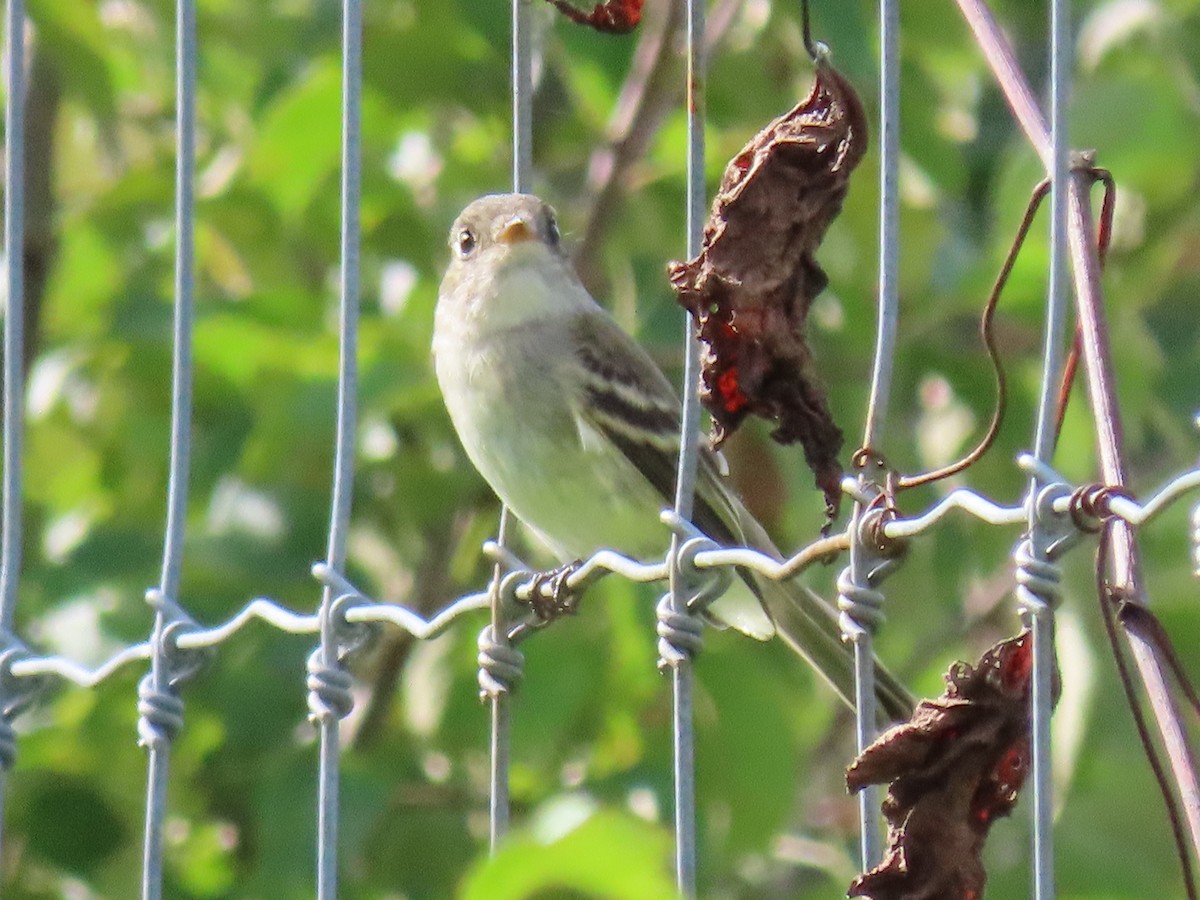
610	17
752	284
953	769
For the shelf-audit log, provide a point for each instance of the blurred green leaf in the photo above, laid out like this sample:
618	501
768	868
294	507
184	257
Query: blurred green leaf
607	855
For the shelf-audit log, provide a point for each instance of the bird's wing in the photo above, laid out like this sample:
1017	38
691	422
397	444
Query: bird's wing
631	402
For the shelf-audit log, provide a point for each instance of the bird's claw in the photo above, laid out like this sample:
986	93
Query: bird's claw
550	596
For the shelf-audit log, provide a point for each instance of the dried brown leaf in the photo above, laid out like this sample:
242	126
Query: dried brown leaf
953	769
751	286
609	17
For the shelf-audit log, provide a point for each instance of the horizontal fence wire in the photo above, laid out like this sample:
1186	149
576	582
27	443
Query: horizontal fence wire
1049	509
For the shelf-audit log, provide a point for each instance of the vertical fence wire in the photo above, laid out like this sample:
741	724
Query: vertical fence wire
522	95
889	219
14	313
1042	613
14	321
157	738
328	713
871	844
683	735
522	177
501	714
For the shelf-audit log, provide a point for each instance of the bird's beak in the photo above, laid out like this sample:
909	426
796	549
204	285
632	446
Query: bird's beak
515	231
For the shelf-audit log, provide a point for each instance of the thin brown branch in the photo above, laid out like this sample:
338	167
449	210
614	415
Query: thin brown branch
431	589
999	55
647	97
988	335
1110	604
41	242
1123	560
651	90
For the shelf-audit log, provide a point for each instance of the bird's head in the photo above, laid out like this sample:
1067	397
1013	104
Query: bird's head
508	265
497	226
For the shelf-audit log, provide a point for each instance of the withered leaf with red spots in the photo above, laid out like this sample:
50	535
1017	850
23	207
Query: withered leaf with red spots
610	17
953	769
756	276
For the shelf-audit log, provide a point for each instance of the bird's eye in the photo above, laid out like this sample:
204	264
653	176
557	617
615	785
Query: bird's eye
553	235
466	242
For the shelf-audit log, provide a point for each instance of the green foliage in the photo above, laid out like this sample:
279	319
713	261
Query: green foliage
607	855
591	778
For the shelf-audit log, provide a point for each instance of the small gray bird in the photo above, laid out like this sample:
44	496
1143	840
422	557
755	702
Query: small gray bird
577	430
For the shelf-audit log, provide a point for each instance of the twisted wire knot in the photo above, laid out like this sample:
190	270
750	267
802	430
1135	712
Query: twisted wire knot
160	714
159	706
16	695
501	665
860	606
1039	580
680	635
1038	574
329	694
860	603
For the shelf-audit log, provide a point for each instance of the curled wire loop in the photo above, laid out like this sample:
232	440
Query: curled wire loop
177	664
704	585
351	635
1091	504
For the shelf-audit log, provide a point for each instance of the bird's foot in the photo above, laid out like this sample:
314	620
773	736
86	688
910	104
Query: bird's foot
550	596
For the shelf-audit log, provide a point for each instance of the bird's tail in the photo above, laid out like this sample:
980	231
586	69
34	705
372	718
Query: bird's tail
808	624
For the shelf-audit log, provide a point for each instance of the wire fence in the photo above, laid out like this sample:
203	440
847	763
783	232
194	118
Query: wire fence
693	565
